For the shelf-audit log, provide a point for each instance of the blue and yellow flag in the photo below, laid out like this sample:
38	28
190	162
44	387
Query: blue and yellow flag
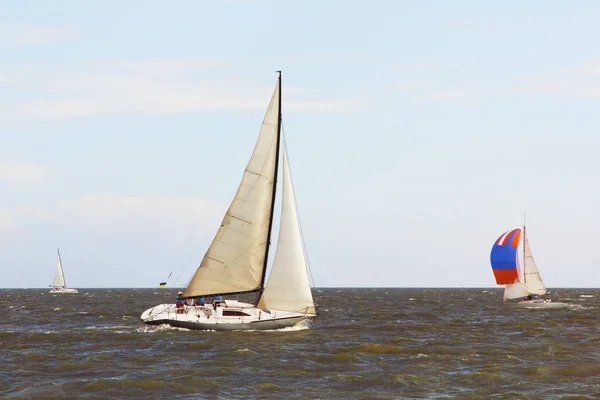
162	284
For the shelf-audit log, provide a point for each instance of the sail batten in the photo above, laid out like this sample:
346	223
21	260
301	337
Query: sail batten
235	260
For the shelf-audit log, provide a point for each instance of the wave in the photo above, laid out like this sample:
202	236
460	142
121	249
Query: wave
374	348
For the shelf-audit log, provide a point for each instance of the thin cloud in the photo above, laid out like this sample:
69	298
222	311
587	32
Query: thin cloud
21	175
162	66
329	56
37	213
113	213
242	1
23	36
582	81
450	95
589	68
8	226
168	86
414	67
123	213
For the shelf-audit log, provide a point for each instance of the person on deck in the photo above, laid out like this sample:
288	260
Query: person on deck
179	302
200	301
216	300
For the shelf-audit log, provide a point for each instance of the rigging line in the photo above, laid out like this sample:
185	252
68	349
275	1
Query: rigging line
222	170
312	281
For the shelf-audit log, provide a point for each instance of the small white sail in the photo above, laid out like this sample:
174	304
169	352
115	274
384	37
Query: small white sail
531	275
59	276
515	291
235	260
288	287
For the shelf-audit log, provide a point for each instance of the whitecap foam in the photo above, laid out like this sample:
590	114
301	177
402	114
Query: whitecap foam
159	328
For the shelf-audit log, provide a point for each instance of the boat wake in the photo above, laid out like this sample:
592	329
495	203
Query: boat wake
159	328
579	307
301	326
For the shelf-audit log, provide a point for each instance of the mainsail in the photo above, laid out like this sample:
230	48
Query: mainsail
235	261
59	276
288	287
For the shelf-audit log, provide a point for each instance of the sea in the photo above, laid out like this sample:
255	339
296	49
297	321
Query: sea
365	344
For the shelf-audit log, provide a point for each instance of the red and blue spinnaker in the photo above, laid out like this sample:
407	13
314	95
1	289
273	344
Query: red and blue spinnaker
504	257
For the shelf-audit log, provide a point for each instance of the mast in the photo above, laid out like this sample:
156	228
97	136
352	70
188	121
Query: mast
524	241
264	271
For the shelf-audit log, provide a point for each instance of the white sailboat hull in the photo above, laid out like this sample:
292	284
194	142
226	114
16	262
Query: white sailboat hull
243	316
541	304
57	290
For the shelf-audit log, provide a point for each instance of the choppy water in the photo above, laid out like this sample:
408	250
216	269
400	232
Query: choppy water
365	344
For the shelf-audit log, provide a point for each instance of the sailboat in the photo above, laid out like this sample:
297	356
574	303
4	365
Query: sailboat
527	286
236	261
59	285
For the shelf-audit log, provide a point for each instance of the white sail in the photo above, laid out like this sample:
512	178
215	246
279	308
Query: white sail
288	287
235	260
59	276
531	275
515	291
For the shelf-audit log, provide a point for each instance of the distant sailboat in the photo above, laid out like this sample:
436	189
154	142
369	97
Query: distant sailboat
526	285
59	285
236	261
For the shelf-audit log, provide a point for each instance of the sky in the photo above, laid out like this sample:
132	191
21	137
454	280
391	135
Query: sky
418	133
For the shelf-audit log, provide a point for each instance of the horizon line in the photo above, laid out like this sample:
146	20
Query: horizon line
318	287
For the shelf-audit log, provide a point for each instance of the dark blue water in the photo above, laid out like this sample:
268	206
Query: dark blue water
365	344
